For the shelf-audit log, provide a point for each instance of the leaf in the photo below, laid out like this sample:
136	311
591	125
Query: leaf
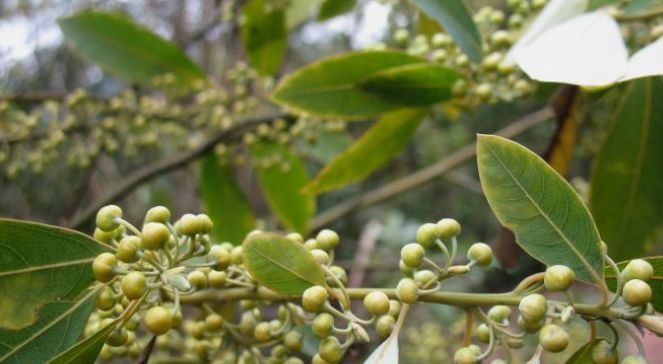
264	35
281	185
656	281
40	264
596	4
59	325
332	8
548	218
386	353
412	85
640	6
388	136
454	17
87	350
330	87
586	50
119	45
583	354
281	264
299	11
328	145
225	202
626	197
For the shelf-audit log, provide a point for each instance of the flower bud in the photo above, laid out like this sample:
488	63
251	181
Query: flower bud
262	332
327	239
558	278
427	233
102	267
406	290
213	322
158	214
465	355
481	253
107	218
604	353
553	338
158	320
128	248
636	292
197	279
220	255
638	269
322	325
293	340
448	228
533	307
376	303
483	333
133	285
154	235
385	325
499	313
634	359
412	255
314	298
330	349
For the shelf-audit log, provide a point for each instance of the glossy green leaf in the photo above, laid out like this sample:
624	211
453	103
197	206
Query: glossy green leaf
330	87
281	264
376	147
412	85
59	325
264	35
626	195
656	282
225	202
547	216
86	351
328	145
40	264
456	19
332	8
282	183
121	46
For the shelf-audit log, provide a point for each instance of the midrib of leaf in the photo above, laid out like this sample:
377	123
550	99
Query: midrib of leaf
52	323
421	85
545	216
283	266
324	89
45	267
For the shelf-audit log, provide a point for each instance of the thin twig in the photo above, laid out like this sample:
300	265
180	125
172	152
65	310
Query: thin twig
179	160
427	174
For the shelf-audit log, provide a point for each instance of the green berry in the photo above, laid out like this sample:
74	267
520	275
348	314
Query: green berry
293	340
197	279
533	307
465	355
105	301
481	254
154	235
102	267
636	292
133	285
558	278
483	333
322	325
553	338
158	320
157	214
128	248
220	255
406	290
262	332
314	298
376	303
499	313
385	325
427	233
634	359
638	269
330	350
216	279
108	216
213	322
327	239
117	337
604	353
412	255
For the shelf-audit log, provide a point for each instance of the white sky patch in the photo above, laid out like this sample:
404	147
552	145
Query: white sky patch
19	37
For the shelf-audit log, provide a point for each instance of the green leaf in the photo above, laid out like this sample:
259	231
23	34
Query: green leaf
626	196
547	216
331	87
282	184
59	325
119	45
86	351
640	6
377	146
456	19
299	11
595	4
583	354
656	282
264	35
328	145
412	85
281	264
40	264
332	8
225	202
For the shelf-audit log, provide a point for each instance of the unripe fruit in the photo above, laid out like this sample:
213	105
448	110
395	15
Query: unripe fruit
261	332
327	239
105	301
330	350
293	340
412	255
219	255
133	285
465	355
377	303
154	235
636	292
197	279
107	217
117	337
385	325
322	325
128	248
533	307
407	291
553	338
638	269
158	320
102	267
499	313
634	359
604	353
314	298
427	233
558	278
189	225
216	279
158	214
481	253
213	322
483	333
448	228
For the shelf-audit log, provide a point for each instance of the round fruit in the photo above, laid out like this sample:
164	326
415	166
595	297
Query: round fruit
327	239
377	303
158	320
133	285
206	223
262	332
465	355
558	278
636	292
427	233
216	279
424	277
604	353
481	254
638	269
553	338
213	322
322	325
499	313
314	298
448	228
219	255
483	333
108	216
413	255
385	325
330	349
117	337
105	301
236	256
320	256
189	225
102	267
154	235
296	237
394	308
533	307
407	290
158	214
128	248
197	279
293	340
